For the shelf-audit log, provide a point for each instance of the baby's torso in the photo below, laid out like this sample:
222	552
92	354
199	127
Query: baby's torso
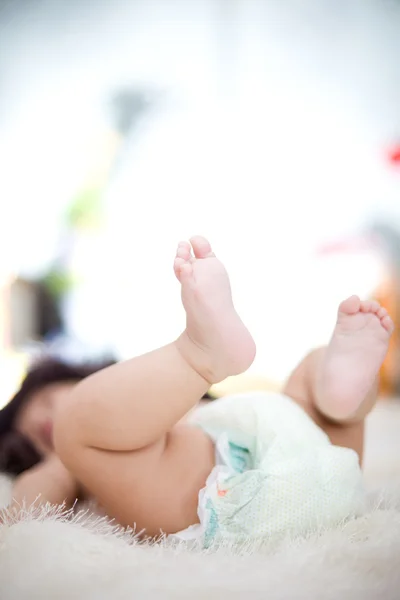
275	471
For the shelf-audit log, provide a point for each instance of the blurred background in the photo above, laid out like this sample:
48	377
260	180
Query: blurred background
271	127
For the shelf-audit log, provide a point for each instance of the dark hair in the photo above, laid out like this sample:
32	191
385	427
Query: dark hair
17	454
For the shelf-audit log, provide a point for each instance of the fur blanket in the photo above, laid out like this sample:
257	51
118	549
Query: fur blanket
55	556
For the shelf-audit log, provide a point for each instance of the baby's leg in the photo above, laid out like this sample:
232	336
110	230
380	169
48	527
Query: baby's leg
337	385
132	404
115	434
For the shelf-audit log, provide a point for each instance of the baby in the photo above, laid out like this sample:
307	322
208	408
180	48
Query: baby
123	435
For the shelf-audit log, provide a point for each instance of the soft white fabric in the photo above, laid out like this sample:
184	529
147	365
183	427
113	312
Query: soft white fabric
50	558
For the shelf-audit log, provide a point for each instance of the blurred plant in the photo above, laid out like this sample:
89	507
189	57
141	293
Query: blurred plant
84	212
127	107
58	282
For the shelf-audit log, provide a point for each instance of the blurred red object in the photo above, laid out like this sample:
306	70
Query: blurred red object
351	245
394	155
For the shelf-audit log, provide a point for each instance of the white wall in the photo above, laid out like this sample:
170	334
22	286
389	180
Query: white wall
270	137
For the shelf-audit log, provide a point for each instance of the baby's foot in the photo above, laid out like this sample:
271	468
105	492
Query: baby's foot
353	358
216	343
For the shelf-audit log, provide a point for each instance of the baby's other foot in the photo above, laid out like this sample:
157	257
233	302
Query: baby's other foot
353	357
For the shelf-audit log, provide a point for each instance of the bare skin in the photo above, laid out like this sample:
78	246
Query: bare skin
121	435
49	481
337	385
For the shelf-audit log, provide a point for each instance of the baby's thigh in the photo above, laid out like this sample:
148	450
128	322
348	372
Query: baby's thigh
154	489
345	435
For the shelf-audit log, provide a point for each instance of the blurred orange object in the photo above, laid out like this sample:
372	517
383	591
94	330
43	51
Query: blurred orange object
388	296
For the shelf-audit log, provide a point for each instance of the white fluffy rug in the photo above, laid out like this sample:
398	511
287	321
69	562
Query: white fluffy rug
48	557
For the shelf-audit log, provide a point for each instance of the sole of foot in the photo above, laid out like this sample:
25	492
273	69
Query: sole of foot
216	342
351	363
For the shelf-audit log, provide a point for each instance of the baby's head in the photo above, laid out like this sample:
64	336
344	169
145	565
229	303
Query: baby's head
26	422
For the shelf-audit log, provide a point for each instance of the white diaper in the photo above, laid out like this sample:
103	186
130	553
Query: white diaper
276	472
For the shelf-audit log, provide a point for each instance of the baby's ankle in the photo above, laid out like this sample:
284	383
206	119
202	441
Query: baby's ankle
198	359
